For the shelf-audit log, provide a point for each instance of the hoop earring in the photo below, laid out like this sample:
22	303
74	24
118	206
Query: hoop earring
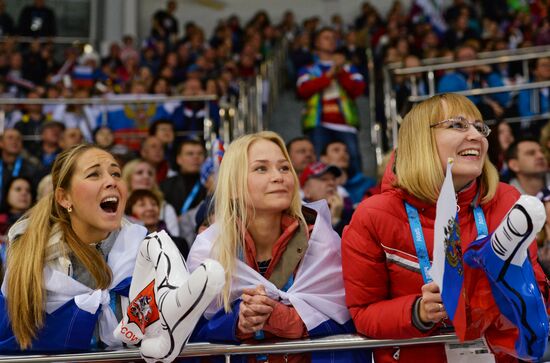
69	209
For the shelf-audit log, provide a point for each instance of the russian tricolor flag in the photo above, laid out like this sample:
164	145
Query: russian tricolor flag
447	270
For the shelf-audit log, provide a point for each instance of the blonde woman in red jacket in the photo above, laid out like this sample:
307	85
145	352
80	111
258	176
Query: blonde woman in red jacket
385	290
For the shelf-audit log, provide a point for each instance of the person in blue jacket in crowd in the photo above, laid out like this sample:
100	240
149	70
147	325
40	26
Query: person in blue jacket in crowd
282	259
467	78
70	259
533	102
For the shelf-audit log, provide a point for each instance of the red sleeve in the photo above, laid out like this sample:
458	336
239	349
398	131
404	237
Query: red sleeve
285	322
353	87
367	284
540	276
308	88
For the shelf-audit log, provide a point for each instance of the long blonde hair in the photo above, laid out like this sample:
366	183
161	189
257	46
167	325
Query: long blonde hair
26	255
231	196
418	166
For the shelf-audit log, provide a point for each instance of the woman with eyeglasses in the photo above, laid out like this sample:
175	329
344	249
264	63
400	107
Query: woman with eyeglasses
385	290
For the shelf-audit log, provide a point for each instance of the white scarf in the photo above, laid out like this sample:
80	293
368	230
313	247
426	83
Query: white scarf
61	288
318	290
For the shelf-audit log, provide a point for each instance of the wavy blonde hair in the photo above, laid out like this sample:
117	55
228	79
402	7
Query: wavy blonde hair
26	255
418	166
231	197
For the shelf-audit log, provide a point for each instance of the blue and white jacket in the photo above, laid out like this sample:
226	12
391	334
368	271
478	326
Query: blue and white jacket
72	309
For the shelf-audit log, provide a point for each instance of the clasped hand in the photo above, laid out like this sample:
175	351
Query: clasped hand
255	308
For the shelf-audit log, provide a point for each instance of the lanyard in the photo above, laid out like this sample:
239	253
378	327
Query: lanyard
15	171
190	197
420	242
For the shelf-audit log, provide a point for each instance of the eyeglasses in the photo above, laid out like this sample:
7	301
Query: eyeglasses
460	123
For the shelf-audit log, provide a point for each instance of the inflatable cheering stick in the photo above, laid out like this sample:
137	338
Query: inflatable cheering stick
503	256
166	301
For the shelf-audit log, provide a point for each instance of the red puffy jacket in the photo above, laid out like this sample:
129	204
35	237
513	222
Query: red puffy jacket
381	271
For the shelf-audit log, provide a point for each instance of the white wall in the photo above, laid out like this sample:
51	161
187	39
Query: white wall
207	17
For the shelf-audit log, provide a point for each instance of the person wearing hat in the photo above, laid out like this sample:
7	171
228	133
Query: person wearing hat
543	237
318	181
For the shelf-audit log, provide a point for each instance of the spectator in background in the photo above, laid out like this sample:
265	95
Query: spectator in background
165	25
112	61
36	62
144	205
163	129
50	137
14	163
475	77
184	190
535	101
301	53
37	20
318	181
44	187
459	32
30	124
161	86
152	151
140	174
14	76
7	26
15	203
355	187
329	87
301	152
188	117
104	139
355	52
499	141
528	165
70	137
79	116
411	84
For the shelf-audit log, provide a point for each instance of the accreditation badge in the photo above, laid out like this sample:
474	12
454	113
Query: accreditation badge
469	352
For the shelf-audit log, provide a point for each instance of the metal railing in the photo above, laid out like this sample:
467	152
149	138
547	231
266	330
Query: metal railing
209	133
55	40
429	67
335	342
258	95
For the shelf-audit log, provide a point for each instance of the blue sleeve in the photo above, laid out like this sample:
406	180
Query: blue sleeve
177	118
524	103
330	327
214	113
451	83
221	328
495	80
160	113
7	339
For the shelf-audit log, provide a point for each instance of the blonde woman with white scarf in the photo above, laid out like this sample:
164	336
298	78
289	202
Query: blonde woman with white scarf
282	260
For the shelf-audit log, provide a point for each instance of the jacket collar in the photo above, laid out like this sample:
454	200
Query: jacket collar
467	198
